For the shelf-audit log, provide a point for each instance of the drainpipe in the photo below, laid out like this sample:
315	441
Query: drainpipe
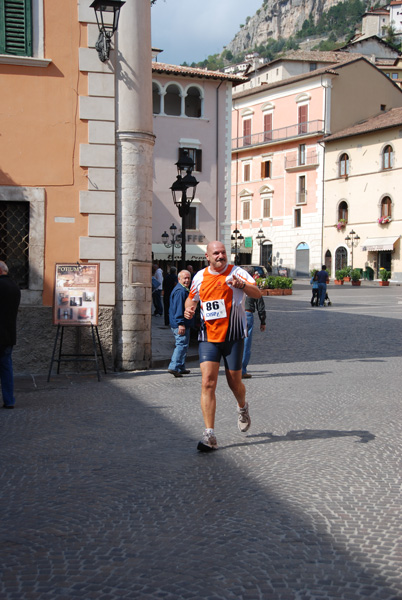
217	235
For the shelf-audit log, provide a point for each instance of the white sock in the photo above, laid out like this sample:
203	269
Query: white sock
209	430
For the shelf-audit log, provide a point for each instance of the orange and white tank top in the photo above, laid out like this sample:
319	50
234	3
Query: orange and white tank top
222	307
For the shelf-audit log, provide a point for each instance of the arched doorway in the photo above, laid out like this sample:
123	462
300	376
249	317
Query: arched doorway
328	261
341	258
302	260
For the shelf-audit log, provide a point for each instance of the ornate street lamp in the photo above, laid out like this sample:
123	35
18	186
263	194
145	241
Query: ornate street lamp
175	239
180	187
352	241
238	240
260	237
106	30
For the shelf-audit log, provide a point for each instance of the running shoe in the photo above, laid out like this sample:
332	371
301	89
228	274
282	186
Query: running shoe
244	420
208	442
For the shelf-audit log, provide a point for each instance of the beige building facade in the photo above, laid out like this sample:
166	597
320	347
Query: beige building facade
363	168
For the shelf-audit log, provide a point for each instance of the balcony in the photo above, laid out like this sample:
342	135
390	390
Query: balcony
295	162
299	130
301	197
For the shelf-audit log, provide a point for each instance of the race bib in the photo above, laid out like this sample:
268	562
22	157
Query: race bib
214	309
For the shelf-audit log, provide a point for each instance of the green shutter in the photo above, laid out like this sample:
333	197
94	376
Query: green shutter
16	27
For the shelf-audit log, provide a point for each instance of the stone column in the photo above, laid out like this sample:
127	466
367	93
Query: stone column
134	174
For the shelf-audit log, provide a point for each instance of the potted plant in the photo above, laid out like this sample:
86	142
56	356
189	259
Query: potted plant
385	276
348	271
341	224
288	286
339	276
355	277
384	220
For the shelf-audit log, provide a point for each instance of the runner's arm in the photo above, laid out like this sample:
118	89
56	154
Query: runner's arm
189	308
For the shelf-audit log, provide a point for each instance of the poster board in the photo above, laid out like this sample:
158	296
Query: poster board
76	294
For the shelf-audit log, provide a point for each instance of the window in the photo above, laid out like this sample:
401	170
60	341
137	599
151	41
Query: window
297	217
394	75
246	171
302	154
344	165
16	27
386	207
173	100
302	192
246	210
266	169
191	218
195	154
246	132
302	113
343	211
267	127
193	103
388	157
14	240
266	208
313	66
156	98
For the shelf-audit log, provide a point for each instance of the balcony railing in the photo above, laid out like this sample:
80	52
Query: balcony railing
277	135
294	161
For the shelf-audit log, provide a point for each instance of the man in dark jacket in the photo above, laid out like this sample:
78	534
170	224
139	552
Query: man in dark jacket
250	307
10	296
179	325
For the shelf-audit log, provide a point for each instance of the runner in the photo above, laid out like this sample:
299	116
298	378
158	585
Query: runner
221	288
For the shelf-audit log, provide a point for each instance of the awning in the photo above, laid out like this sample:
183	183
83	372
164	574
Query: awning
193	252
382	244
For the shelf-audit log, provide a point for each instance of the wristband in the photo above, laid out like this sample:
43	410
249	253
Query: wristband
244	285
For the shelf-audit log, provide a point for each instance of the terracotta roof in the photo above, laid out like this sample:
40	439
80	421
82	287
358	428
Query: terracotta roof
165	69
314	56
385	120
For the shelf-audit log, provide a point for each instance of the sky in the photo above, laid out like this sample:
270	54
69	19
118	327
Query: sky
191	30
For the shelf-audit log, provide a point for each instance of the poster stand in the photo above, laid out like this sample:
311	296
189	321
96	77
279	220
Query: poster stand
77	357
76	304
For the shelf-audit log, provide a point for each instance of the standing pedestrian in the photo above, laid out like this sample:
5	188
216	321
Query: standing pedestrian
323	279
251	305
314	283
10	297
157	292
169	282
222	289
180	325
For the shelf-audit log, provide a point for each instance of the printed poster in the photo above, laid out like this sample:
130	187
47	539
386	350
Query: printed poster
76	299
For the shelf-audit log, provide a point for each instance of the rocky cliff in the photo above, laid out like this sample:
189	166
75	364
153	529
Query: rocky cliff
277	19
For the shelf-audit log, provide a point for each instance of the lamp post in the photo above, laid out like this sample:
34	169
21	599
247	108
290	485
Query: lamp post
260	237
106	30
238	240
352	241
179	189
175	239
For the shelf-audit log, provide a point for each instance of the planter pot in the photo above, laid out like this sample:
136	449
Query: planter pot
338	281
264	292
356	282
384	283
346	279
287	292
275	292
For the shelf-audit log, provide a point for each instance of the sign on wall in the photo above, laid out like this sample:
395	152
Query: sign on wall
76	296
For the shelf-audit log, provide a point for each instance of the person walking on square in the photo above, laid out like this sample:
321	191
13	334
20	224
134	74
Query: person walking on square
157	293
10	297
180	325
323	279
169	283
251	305
314	283
221	288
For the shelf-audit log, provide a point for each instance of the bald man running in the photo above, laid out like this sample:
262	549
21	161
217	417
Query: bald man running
221	288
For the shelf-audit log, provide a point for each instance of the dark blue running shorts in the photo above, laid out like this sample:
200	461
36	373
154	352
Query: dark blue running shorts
232	353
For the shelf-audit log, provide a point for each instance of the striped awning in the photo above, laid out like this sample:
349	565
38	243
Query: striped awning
193	252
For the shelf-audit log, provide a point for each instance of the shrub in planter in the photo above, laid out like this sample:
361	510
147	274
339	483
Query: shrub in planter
339	275
355	276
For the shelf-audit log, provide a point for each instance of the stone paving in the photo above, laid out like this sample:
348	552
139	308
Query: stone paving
103	495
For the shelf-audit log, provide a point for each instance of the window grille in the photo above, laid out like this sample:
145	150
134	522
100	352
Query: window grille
14	240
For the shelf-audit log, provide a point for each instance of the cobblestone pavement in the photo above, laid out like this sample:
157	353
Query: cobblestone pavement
103	495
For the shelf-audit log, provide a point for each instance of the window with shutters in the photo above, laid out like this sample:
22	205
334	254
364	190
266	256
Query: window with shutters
266	207
302	118
344	165
246	132
267	127
246	210
196	156
16	27
266	169
246	171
